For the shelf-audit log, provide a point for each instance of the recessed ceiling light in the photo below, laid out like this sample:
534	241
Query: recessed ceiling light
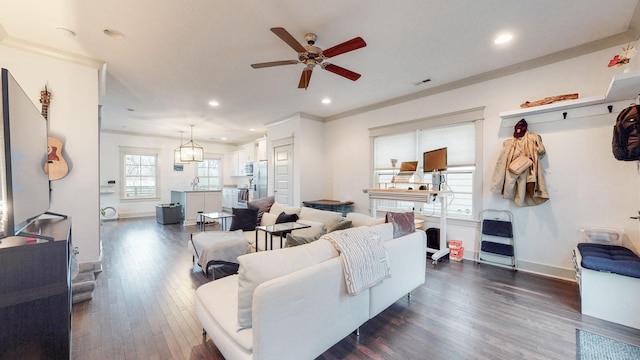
224	138
214	103
252	129
503	39
326	101
113	33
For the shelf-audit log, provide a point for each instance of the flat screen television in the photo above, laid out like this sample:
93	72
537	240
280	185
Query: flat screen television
24	184
434	160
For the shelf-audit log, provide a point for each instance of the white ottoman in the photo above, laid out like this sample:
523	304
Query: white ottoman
217	247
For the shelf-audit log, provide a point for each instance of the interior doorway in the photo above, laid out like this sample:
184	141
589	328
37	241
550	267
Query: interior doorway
283	174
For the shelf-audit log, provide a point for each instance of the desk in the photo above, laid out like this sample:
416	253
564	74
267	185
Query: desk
343	207
281	229
214	216
423	196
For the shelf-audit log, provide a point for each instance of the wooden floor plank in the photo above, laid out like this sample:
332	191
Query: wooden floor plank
142	308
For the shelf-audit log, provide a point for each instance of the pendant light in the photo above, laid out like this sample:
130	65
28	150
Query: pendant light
190	151
176	152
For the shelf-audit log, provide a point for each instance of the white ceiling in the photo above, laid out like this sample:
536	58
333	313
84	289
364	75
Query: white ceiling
176	56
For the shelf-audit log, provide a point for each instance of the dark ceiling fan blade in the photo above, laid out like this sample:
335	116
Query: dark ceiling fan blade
350	45
290	40
274	63
305	78
341	71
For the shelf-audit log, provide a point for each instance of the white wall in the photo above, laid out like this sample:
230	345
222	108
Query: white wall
309	167
587	186
73	117
110	144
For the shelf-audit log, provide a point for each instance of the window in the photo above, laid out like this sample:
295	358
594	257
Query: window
461	136
209	174
139	173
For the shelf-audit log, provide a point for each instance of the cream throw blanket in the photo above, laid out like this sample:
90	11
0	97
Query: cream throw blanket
364	257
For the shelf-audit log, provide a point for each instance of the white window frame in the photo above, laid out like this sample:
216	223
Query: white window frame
155	153
202	178
475	116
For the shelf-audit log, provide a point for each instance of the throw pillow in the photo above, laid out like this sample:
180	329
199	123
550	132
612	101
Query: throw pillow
284	218
340	225
403	223
263	205
327	218
243	219
295	240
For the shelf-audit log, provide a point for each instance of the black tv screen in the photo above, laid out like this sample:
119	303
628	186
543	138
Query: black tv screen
24	184
434	160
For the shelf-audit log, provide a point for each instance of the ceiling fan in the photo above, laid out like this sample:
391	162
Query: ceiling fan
312	55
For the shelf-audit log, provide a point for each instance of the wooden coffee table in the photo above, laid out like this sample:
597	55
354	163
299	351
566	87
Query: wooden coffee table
281	230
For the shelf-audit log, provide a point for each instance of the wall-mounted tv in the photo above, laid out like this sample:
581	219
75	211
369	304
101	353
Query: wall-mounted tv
434	160
24	186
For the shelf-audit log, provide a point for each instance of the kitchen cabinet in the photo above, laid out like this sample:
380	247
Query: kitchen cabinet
249	152
238	159
261	150
194	202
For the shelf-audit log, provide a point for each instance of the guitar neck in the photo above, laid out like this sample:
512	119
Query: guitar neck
45	99
45	111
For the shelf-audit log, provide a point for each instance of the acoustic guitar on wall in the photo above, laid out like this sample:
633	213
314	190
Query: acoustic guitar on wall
55	166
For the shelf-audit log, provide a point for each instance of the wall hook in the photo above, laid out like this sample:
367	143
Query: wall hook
610	107
564	115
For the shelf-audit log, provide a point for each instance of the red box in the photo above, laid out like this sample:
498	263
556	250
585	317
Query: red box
455	244
456	254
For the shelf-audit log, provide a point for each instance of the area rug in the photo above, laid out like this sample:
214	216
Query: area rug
591	346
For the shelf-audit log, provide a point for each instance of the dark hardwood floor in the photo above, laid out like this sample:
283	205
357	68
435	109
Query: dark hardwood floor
142	308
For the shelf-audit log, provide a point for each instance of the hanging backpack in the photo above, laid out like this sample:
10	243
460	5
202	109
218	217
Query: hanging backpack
626	134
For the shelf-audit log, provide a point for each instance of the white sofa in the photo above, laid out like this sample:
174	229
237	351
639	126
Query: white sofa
292	303
318	220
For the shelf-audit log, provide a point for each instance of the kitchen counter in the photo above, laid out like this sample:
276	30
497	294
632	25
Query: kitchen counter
195	202
195	191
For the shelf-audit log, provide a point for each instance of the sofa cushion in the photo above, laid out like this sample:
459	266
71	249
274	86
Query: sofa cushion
278	208
363	220
384	230
223	309
285	218
256	268
403	223
327	218
243	219
342	224
268	219
295	240
315	227
263	205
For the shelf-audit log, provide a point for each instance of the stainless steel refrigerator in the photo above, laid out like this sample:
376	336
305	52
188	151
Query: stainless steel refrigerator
260	179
